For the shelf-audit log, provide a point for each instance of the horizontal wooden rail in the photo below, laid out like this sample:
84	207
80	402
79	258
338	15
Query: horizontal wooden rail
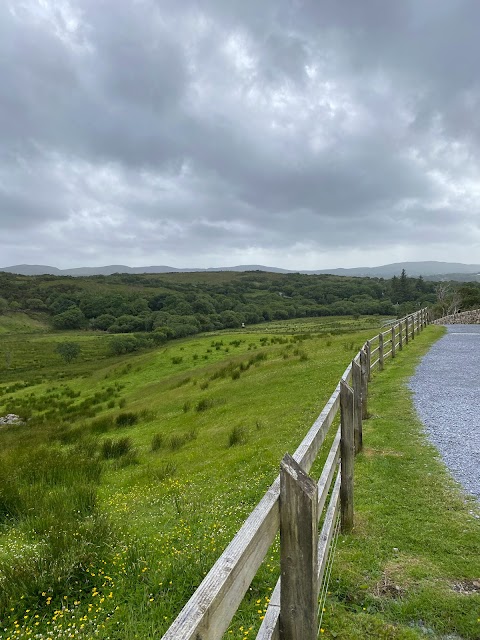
208	613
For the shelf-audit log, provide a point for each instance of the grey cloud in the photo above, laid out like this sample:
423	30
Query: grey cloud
193	130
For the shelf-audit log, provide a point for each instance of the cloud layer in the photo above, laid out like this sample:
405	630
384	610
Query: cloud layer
302	134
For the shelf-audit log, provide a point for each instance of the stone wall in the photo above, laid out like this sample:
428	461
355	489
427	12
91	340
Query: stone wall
466	317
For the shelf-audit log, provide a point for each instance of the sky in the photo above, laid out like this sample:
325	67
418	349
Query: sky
290	133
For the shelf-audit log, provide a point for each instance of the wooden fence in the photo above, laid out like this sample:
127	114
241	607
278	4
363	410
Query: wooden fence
295	504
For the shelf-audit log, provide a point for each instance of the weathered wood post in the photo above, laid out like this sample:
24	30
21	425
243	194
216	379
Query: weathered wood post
298	553
380	351
406	330
357	399
368	351
347	455
393	341
413	327
365	371
400	335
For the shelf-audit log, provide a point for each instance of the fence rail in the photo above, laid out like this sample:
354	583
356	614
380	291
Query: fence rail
295	504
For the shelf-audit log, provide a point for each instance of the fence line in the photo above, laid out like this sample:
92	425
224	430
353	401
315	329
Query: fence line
295	504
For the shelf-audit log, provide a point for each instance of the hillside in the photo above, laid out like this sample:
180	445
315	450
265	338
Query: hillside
133	472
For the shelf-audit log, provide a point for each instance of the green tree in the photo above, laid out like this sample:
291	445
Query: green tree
3	306
69	351
72	318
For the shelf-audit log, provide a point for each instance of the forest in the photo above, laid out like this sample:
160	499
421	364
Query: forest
159	307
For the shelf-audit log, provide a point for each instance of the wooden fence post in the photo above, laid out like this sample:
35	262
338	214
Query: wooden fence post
406	330
357	399
413	328
380	351
400	336
364	367
298	553
368	351
393	341
347	456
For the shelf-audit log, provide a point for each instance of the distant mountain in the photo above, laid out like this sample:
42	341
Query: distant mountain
39	269
416	269
430	270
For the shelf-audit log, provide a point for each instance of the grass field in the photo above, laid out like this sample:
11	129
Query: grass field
134	472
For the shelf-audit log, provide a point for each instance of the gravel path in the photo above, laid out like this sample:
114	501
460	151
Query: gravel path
446	390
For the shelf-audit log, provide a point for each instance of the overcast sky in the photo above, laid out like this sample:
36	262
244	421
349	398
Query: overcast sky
291	133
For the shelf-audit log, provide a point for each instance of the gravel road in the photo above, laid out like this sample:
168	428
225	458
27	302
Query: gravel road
446	389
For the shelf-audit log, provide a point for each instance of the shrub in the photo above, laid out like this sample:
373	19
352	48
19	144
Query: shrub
176	441
116	448
127	459
69	351
126	419
204	404
165	471
237	436
157	442
177	360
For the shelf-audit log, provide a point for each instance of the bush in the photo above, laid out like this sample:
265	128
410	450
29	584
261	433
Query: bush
126	419
165	471
123	344
177	360
101	425
157	442
176	441
237	436
112	449
69	351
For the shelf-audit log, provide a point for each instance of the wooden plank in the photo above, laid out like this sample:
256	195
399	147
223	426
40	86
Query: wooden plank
369	359
298	553
328	472
365	372
380	352
400	335
347	374
347	456
309	447
385	355
393	342
208	613
270	627
327	529
374	351
357	400
406	329
374	364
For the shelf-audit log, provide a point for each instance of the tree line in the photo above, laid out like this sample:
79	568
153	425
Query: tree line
177	305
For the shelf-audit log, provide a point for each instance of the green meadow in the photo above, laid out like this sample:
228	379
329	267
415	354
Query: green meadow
134	471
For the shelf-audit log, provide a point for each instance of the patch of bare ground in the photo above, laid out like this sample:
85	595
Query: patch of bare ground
370	452
467	587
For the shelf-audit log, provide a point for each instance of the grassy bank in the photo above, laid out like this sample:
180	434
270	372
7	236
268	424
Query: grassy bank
411	568
161	455
134	472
